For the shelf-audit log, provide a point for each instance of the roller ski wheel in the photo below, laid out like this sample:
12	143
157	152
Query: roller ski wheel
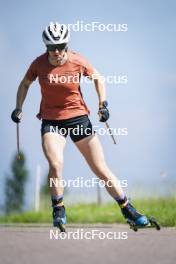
61	227
154	223
132	225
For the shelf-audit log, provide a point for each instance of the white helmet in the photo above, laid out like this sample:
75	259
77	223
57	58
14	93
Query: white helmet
56	33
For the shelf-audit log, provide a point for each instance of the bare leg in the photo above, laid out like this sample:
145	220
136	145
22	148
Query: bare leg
92	151
53	146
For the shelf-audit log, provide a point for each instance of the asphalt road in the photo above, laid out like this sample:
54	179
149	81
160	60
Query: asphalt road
87	244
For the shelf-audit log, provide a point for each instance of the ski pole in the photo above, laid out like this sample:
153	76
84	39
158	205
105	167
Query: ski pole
112	136
18	141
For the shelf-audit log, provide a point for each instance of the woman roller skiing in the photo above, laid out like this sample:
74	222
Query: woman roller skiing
62	107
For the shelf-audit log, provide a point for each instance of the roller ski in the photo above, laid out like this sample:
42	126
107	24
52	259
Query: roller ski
137	220
59	218
152	223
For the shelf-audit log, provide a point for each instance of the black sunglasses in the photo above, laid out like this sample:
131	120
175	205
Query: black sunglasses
54	47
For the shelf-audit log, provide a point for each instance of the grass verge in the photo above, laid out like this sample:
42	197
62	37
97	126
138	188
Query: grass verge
164	210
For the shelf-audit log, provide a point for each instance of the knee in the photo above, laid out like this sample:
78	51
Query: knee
56	167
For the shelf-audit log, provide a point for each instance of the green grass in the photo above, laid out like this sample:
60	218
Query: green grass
163	209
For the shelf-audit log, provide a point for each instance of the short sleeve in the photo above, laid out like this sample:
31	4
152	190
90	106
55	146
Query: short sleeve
87	69
31	73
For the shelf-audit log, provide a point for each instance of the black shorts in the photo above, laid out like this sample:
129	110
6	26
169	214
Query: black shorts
77	127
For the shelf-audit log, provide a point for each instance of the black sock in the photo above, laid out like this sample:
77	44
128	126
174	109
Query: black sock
56	200
121	200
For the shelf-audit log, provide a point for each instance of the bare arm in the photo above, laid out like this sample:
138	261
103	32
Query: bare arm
22	92
101	92
100	88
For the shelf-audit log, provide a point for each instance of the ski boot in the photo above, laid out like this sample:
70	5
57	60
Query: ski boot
134	218
137	220
59	218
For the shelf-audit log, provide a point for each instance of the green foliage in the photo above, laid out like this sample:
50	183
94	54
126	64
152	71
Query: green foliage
15	185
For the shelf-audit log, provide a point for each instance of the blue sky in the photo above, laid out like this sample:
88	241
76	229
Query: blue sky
146	105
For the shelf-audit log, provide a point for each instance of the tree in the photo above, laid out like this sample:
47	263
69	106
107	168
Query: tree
15	185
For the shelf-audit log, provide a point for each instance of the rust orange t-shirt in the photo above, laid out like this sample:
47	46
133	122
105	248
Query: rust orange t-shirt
60	86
